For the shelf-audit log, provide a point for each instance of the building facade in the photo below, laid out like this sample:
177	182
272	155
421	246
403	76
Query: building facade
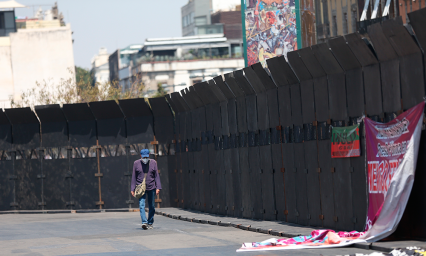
34	55
231	22
31	54
100	67
175	63
179	74
407	6
197	17
276	27
341	17
179	62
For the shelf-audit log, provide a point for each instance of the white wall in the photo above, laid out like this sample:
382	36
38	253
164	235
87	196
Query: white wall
193	65
182	70
101	73
6	75
224	5
41	54
100	59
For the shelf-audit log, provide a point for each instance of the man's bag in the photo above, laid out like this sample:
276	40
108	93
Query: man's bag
140	189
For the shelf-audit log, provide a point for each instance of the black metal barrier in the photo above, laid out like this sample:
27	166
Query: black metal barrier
254	143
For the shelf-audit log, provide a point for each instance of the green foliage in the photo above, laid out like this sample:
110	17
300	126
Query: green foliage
79	90
161	92
82	76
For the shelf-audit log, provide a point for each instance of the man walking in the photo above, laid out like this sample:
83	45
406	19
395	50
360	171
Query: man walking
146	167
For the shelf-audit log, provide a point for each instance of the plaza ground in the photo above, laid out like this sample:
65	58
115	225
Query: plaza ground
120	233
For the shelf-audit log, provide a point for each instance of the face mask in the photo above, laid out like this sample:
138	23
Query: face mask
145	160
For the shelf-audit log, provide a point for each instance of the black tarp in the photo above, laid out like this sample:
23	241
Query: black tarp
338	114
25	128
5	132
81	125
301	105
56	186
110	124
115	189
355	107
84	185
163	120
139	120
245	124
6	185
54	127
206	125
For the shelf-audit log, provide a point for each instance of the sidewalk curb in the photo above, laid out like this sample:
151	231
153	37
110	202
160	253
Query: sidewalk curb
367	246
69	211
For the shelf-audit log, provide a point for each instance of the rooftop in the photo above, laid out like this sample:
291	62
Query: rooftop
211	38
10	5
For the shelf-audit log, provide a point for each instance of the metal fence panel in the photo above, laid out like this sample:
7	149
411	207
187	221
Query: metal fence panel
139	120
337	107
84	184
114	181
389	69
279	181
81	125
355	107
290	182
411	60
56	186
110	122
54	126
6	185
163	120
25	128
163	168
327	183
28	186
172	171
5	132
205	179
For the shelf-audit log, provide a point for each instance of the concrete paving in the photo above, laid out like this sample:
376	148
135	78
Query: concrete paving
275	228
120	233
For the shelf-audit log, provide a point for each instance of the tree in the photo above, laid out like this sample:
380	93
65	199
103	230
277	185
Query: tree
78	90
160	91
82	76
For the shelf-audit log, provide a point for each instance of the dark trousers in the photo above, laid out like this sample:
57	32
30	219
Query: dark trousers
150	196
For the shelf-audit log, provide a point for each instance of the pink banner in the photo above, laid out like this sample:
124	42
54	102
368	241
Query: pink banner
387	148
392	151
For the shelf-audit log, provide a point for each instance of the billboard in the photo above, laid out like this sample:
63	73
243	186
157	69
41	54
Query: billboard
269	28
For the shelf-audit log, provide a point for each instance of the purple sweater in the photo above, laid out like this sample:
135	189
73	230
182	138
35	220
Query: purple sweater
152	179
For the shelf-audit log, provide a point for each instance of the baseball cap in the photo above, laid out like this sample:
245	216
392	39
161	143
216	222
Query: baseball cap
145	152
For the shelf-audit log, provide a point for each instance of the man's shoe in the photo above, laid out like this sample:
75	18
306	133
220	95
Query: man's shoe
144	227
150	226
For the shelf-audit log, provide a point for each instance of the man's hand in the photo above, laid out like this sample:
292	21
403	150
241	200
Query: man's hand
157	192
133	193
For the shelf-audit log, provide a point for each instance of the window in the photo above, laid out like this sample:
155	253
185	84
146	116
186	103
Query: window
354	19
199	21
202	31
334	25
191	18
7	23
2	25
236	51
345	23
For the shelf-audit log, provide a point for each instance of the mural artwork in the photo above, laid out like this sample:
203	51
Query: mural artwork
270	29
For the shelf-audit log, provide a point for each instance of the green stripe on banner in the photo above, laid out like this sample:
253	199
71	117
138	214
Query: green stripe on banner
243	24
345	134
298	24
